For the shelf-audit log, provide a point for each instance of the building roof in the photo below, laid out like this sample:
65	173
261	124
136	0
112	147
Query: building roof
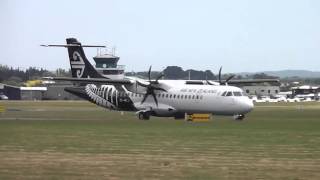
306	87
33	88
106	56
2	86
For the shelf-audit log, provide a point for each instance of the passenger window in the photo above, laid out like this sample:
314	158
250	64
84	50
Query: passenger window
174	96
162	95
197	97
186	96
224	93
229	93
167	95
170	96
178	96
193	97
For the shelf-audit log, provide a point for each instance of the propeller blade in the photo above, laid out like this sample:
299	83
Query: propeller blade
136	86
208	82
220	74
150	88
141	84
149	73
228	79
154	97
159	77
159	89
144	98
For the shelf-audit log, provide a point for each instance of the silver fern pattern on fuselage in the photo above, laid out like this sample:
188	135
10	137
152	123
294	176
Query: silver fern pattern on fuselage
109	96
102	96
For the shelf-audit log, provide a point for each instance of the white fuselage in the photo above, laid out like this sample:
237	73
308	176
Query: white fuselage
182	97
178	98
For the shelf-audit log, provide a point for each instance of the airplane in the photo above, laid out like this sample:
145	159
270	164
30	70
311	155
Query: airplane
154	97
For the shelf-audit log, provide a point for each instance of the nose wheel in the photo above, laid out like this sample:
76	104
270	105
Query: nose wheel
144	115
239	117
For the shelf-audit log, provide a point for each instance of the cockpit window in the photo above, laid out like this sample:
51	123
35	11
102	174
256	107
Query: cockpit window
237	93
229	93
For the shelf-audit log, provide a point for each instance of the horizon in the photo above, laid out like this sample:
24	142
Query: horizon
153	70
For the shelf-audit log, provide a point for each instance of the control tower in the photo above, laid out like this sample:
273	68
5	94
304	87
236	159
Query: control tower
107	66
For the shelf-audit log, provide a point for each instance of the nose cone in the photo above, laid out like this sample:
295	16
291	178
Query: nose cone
248	105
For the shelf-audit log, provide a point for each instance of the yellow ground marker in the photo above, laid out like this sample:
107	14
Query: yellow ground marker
2	108
198	117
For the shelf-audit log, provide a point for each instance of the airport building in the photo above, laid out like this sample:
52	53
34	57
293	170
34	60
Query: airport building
55	91
261	90
11	92
48	92
306	92
32	93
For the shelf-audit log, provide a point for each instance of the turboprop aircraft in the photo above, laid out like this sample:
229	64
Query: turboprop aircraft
154	97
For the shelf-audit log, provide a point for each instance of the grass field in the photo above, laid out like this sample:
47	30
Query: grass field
78	140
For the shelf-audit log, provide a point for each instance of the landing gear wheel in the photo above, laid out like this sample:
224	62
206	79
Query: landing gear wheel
239	117
140	116
144	116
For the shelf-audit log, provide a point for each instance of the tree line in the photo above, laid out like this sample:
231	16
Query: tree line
17	76
176	72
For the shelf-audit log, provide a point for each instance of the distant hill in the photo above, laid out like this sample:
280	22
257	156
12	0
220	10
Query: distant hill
292	73
289	73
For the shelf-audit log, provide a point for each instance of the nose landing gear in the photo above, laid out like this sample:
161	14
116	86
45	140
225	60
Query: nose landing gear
239	117
144	115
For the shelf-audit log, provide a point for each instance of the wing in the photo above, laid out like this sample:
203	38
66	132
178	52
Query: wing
90	80
242	81
248	81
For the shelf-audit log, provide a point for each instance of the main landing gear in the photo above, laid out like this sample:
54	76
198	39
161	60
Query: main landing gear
144	115
239	117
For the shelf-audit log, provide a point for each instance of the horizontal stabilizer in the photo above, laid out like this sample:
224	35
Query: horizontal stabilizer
71	45
91	80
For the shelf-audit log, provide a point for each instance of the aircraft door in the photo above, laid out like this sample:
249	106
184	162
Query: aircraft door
197	97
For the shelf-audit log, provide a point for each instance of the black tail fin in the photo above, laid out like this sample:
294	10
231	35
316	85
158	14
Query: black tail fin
80	66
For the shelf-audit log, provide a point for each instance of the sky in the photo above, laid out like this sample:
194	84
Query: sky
240	35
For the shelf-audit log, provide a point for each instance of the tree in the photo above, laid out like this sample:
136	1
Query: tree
174	72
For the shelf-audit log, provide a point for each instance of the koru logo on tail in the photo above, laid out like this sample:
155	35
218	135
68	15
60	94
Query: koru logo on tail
77	63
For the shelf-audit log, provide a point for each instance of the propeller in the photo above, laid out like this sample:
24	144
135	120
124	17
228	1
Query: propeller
220	81
151	88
